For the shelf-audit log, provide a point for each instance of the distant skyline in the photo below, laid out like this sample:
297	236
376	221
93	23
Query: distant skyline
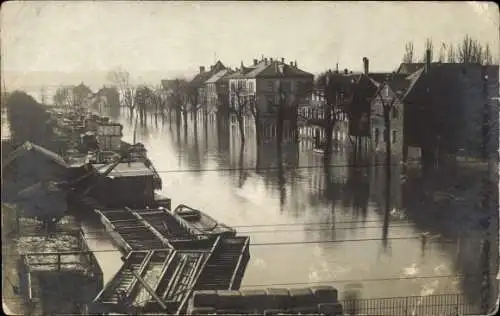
175	38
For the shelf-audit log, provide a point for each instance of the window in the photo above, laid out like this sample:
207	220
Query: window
394	137
395	113
377	136
287	86
250	86
270	85
270	104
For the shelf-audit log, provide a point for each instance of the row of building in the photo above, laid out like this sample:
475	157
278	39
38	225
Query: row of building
220	87
438	108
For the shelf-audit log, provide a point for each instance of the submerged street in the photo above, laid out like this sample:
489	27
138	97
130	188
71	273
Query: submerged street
307	228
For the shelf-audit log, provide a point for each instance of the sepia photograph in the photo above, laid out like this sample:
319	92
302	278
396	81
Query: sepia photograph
332	158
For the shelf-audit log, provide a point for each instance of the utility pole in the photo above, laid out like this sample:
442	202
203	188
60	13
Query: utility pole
488	195
4	99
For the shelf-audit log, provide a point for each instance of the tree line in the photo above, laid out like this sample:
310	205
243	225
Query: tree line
467	51
28	120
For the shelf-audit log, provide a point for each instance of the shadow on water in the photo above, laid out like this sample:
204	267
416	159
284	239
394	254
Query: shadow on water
449	208
348	202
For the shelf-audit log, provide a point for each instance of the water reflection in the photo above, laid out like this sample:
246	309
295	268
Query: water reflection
344	225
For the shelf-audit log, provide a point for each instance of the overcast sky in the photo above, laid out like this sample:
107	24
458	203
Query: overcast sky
180	36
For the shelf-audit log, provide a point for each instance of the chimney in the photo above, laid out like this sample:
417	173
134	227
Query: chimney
366	65
265	60
202	69
255	62
282	60
271	59
427	61
346	71
291	63
295	64
211	68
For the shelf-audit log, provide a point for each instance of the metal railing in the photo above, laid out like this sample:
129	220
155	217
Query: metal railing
441	304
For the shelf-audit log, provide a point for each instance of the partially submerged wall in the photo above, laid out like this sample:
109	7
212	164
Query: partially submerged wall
313	300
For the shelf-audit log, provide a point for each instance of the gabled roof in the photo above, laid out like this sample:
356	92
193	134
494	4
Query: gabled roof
409	68
398	82
83	89
201	78
412	79
381	86
218	76
30	147
276	69
445	79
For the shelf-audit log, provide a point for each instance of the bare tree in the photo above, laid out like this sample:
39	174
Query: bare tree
254	109
177	97
477	52
487	57
239	105
43	95
64	96
442	53
465	50
158	102
451	56
428	46
409	53
121	78
387	101
142	100
332	87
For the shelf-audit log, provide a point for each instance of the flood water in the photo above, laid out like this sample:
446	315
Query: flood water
313	226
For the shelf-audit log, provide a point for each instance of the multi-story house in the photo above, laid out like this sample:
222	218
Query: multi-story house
451	109
197	88
386	101
269	84
314	111
81	95
217	91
